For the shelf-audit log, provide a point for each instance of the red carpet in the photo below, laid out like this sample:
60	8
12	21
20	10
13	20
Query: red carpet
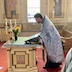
3	59
40	63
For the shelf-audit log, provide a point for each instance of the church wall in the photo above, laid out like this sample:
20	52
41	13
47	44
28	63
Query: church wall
69	14
22	11
69	10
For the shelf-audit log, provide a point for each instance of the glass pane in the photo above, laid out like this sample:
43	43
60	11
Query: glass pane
33	7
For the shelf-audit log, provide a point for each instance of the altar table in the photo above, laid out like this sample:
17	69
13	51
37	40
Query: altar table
21	57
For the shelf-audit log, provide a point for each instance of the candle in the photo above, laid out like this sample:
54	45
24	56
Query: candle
15	22
53	13
6	27
6	30
11	25
10	22
6	21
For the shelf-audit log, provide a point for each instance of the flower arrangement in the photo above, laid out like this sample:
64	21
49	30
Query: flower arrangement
16	32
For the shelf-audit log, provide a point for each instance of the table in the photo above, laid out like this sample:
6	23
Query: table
21	57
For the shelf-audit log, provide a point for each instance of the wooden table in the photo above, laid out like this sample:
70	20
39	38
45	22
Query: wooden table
21	57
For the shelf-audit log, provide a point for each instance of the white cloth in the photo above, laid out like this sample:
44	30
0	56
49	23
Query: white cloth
52	41
68	63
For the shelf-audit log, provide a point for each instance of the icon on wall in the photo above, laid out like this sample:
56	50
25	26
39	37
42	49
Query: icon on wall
10	8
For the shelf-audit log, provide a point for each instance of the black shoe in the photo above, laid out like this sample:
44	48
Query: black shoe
45	67
53	66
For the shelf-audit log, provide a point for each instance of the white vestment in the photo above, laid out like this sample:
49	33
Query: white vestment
52	41
68	63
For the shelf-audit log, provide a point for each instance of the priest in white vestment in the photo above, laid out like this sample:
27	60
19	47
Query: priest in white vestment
52	42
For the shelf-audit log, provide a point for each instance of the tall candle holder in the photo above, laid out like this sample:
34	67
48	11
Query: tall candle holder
11	29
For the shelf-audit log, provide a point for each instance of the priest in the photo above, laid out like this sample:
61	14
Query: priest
51	42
